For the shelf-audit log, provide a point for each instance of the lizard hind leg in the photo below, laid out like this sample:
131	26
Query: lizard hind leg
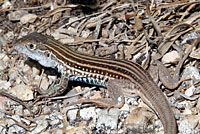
115	91
130	89
118	88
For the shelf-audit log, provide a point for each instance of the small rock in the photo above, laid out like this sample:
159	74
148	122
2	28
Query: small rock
72	115
125	107
138	116
6	58
2	104
51	78
198	104
35	71
104	51
82	131
44	84
18	80
187	111
5	85
97	95
60	116
113	111
133	101
190	37
2	129
2	55
71	99
104	33
56	115
46	109
28	18
159	127
77	130
190	91
16	15
59	2
13	128
36	80
57	131
182	105
171	57
72	30
195	54
27	69
107	120
190	72
13	73
138	24
63	38
6	5
42	125
85	34
10	122
46	132
17	118
3	66
54	123
67	40
28	122
3	42
19	109
185	127
193	119
88	113
27	93
58	34
55	120
9	36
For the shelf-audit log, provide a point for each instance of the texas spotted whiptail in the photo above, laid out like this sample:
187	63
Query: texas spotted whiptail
95	70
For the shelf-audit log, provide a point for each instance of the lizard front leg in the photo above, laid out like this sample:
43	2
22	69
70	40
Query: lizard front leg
56	89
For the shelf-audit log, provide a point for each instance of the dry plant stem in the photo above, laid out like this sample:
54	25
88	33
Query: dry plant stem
164	75
73	95
189	98
16	100
187	11
164	43
28	8
21	124
173	4
157	28
79	19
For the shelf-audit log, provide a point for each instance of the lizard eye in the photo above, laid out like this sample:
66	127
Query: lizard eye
32	46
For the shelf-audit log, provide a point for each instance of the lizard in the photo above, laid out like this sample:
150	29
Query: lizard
99	71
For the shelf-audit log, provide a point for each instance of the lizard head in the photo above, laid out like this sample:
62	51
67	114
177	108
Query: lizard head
33	46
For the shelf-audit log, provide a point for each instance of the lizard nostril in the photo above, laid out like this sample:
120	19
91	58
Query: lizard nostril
47	54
